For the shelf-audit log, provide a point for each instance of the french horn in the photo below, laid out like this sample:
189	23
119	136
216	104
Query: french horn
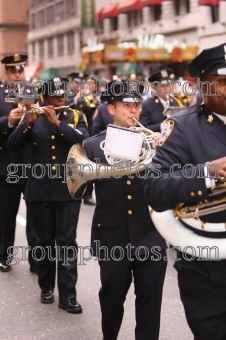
183	227
81	170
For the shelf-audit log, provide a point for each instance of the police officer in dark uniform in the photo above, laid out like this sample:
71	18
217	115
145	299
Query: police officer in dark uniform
84	100
190	139
11	188
152	112
122	221
75	81
51	131
101	118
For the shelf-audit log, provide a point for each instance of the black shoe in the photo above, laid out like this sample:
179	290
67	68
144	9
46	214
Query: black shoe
71	306
89	201
47	297
34	270
5	267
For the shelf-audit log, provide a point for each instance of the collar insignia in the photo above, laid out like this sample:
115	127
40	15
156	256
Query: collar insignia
210	118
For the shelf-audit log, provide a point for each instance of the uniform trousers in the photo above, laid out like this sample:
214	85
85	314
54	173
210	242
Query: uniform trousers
204	302
56	224
116	278
10	196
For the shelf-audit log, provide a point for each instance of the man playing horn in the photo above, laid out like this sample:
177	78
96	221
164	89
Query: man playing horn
191	157
123	236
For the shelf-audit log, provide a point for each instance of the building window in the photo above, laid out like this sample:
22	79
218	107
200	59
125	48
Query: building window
215	13
41	18
33	51
60	44
70	8
70	42
114	24
187	3
33	21
59	11
41	50
157	12
181	6
32	3
134	18
50	48
177	7
50	15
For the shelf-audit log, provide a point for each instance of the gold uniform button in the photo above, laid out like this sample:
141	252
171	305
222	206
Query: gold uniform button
0	148
130	212
53	147
98	225
128	182
53	157
129	197
53	137
53	167
192	194
199	193
35	143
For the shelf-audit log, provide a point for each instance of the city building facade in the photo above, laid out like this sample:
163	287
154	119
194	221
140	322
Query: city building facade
129	36
144	35
14	21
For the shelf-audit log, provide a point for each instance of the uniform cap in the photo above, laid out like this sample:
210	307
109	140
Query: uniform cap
163	76
209	61
130	91
16	61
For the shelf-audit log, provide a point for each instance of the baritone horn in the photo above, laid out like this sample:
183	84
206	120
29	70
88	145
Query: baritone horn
184	228
81	170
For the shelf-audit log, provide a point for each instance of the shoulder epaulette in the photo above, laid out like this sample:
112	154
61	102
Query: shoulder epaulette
77	115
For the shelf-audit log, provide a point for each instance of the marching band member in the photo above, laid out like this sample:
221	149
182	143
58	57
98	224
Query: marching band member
122	220
152	112
10	192
190	139
51	132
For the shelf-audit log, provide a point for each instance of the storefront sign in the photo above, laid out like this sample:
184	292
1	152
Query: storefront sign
92	46
88	13
155	41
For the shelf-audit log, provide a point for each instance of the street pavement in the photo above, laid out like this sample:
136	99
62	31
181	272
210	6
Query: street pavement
23	317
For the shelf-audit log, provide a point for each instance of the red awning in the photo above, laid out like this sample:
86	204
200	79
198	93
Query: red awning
129	5
208	2
150	2
110	11
99	14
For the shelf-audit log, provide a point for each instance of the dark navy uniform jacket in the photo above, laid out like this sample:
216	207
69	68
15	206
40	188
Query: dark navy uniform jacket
101	118
121	215
151	115
7	157
195	136
50	146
